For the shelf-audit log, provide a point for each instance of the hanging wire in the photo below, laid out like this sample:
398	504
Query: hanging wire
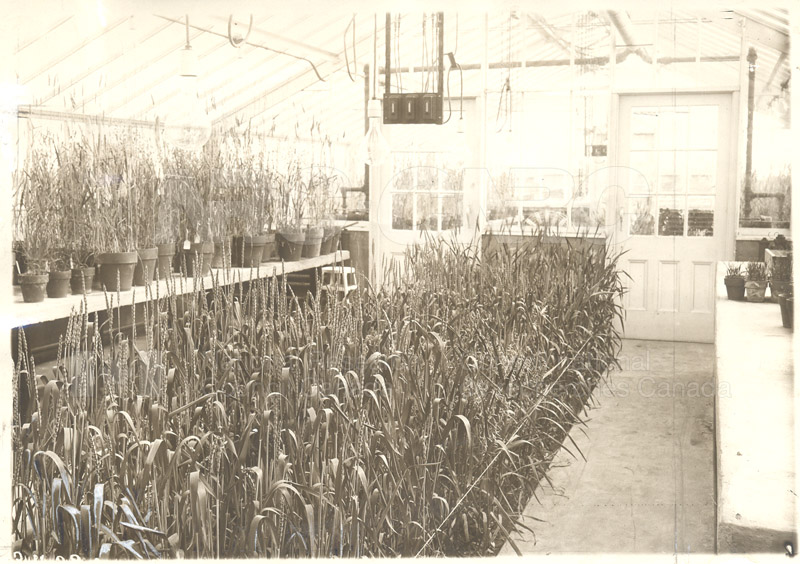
188	45
238	42
346	59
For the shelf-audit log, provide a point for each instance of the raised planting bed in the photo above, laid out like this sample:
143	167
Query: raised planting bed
414	420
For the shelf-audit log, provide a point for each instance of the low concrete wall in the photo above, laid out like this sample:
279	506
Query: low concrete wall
755	451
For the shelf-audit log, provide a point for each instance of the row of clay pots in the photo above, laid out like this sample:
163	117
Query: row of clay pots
55	284
120	271
294	244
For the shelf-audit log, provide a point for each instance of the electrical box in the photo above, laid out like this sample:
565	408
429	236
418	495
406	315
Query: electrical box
412	108
417	107
391	108
409	108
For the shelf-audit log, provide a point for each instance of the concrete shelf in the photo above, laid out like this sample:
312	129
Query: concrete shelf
25	314
755	426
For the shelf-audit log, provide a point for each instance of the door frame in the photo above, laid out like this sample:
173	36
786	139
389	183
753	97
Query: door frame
729	223
730	219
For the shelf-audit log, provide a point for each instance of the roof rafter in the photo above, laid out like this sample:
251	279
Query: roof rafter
102	64
269	35
284	86
144	66
548	32
74	50
622	23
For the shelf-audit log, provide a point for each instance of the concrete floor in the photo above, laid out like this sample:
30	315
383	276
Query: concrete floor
648	484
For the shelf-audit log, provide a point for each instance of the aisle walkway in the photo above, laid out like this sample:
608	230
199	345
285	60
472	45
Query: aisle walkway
648	482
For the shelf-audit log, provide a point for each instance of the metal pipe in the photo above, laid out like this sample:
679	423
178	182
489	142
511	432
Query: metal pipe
387	70
583	61
752	56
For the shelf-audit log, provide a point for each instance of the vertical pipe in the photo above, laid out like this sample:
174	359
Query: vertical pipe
366	128
484	132
570	145
748	162
440	54
388	67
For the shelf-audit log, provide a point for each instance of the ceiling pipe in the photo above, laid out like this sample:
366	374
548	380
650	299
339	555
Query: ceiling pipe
623	25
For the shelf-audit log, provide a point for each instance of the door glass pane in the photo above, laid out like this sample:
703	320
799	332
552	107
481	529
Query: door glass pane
702	172
673	127
452	210
402	211
701	216
640	210
644	123
403	177
703	127
427	212
453	180
672	172
643	170
670	215
427	177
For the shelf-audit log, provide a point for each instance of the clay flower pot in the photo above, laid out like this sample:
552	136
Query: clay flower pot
145	267
222	253
778	287
246	251
116	270
270	252
787	310
58	284
735	287
164	262
290	244
33	286
313	242
198	258
81	279
755	290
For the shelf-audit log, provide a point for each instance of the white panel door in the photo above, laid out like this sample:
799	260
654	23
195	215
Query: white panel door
673	157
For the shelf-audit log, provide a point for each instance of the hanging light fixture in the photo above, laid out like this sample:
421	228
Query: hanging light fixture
374	148
188	126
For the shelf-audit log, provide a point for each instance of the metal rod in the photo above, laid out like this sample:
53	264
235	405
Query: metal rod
440	86
752	56
388	67
584	61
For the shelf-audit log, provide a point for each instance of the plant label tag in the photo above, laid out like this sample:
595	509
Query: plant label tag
186	245
71	266
19	270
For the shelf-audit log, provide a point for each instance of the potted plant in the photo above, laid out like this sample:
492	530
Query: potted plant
37	226
194	178
314	197
59	275
246	191
115	213
780	277
290	235
786	301
74	213
328	197
756	284
734	282
144	191
214	173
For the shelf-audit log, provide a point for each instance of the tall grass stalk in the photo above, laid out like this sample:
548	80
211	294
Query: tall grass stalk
412	420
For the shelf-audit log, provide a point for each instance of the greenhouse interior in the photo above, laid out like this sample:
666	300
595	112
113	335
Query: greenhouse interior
375	281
